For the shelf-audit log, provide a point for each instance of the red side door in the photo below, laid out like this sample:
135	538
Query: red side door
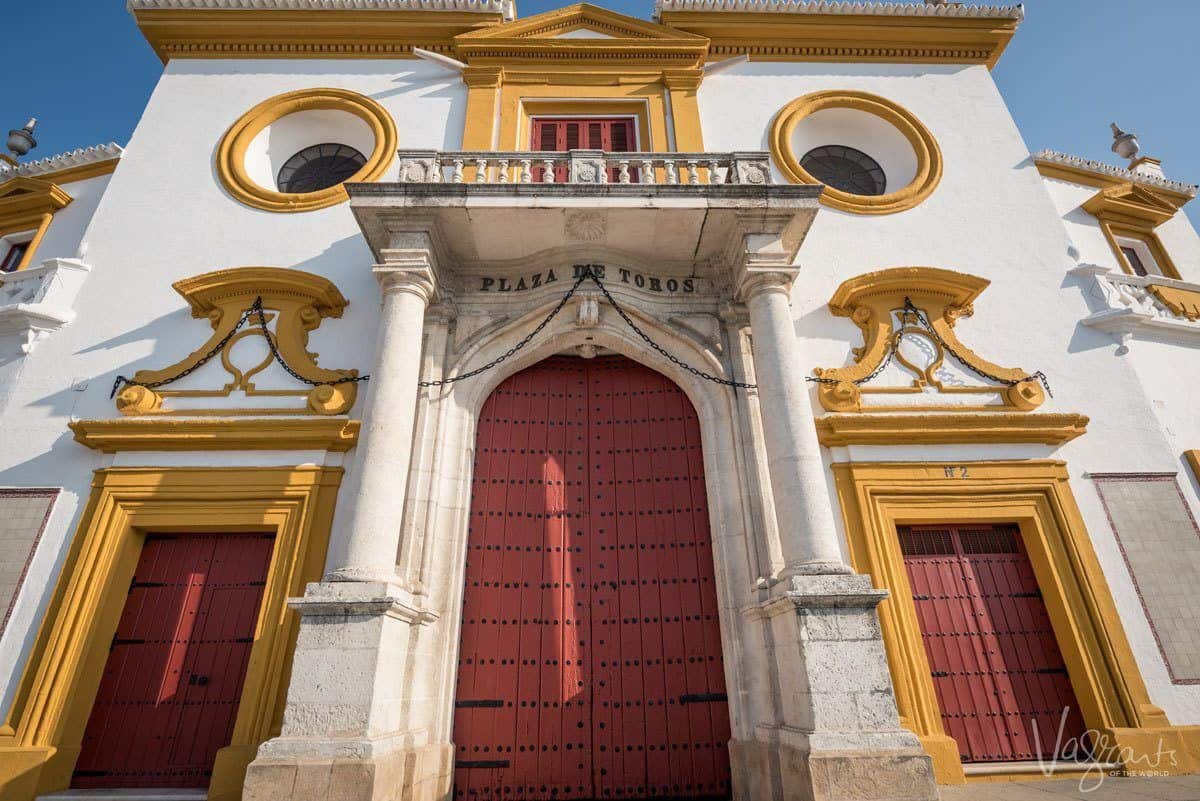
615	135
169	695
590	664
999	675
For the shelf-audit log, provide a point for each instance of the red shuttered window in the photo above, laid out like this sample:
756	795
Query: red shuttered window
615	135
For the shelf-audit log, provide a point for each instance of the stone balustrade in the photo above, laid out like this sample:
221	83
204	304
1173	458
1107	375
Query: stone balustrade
38	301
582	167
1126	305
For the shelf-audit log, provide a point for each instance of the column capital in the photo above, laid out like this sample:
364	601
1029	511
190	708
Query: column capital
752	283
407	270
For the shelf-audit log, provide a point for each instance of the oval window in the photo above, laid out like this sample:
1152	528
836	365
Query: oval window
319	167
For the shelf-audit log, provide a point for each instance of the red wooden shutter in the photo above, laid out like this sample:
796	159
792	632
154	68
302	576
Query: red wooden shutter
1000	679
615	135
169	695
590	664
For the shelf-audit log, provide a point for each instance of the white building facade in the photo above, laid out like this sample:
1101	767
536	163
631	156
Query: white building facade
431	402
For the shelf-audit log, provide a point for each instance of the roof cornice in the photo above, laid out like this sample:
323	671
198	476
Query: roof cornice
310	28
948	10
1073	169
824	30
74	165
506	8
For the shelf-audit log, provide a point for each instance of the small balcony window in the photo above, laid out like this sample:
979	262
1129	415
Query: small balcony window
1139	257
12	253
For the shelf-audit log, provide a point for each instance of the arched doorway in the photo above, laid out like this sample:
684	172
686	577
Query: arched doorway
590	663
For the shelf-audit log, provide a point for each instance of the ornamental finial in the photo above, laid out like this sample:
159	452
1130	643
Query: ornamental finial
20	140
1124	144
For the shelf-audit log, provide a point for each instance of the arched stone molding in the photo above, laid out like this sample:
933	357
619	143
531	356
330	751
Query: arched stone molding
436	561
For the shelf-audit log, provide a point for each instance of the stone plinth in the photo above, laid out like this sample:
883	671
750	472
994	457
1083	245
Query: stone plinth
838	737
348	733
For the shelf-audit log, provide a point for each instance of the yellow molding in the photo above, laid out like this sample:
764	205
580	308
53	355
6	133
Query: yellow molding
355	33
769	36
1184	302
44	728
1131	204
936	429
944	297
877	497
294	300
231	152
30	204
925	148
81	172
1193	458
515	66
1099	180
217	434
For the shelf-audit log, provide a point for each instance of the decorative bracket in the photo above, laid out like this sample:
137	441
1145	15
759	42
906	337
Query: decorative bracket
296	303
876	303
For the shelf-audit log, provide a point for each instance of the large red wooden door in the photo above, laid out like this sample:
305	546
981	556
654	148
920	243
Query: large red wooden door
997	670
612	135
169	695
590	664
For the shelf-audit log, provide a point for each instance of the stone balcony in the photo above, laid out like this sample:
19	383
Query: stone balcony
679	213
1130	305
37	302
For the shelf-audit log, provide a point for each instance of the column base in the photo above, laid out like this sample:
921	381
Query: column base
838	735
349	770
787	768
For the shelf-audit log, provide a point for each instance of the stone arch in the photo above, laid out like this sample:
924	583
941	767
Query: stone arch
730	515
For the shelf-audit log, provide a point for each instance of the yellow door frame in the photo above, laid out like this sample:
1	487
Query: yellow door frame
40	738
877	497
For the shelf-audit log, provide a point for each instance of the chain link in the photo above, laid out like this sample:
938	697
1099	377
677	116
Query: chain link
1039	376
256	309
658	348
511	351
586	272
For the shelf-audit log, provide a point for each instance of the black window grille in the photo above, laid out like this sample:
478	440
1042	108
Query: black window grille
319	167
846	169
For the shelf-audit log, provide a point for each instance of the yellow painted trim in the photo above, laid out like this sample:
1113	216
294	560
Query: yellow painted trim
296	301
325	33
45	724
1132	211
877	497
29	204
847	38
925	147
944	297
1100	180
83	172
1193	459
1184	302
231	152
519	69
216	434
937	429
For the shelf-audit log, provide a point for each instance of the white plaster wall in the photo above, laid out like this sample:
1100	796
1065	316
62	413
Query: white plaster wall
67	228
165	217
991	216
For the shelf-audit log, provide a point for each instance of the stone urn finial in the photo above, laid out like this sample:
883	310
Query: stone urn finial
20	140
1124	144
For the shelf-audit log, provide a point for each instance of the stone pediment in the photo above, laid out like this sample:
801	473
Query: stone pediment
581	32
1132	204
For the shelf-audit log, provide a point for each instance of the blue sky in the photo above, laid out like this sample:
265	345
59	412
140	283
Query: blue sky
83	69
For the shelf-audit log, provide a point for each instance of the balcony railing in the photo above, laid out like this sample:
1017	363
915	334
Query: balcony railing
583	167
38	301
1127	304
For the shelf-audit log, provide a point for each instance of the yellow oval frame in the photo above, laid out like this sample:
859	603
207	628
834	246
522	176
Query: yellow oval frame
231	153
929	155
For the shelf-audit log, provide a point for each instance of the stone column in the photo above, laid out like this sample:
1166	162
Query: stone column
834	733
805	517
376	501
354	725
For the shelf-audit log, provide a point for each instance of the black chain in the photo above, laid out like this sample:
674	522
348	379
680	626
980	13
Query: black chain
646	337
585	272
255	309
508	353
1039	376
